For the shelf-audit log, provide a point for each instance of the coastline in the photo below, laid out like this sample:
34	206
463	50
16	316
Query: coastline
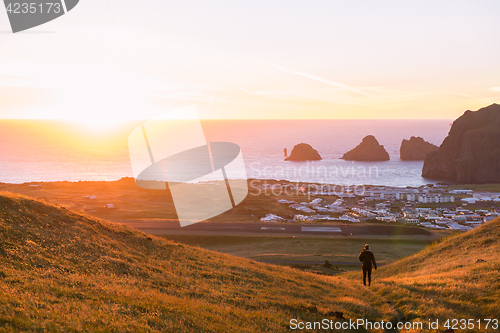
124	200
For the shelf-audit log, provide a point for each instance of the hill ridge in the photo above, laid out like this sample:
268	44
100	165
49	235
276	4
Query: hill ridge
63	271
456	278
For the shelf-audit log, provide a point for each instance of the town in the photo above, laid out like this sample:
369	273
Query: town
430	206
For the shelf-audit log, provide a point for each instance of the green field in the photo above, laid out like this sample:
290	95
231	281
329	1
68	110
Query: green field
476	187
291	251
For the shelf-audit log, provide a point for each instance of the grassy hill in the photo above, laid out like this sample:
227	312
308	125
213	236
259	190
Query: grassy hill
458	277
62	271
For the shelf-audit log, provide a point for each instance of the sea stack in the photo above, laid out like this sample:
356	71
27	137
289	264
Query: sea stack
470	154
416	149
303	152
368	150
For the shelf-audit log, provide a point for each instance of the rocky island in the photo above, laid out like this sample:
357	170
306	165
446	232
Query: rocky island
470	154
303	152
416	149
368	150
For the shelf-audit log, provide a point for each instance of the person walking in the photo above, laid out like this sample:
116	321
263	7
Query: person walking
367	258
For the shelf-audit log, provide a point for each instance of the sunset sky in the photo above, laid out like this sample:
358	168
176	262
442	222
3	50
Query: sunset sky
117	60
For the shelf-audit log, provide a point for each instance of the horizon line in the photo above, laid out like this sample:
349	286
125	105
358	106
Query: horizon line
146	119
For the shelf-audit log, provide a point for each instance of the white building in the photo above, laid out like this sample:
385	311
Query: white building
436	198
336	209
462	191
486	196
386	218
411	221
456	226
337	202
302	208
407	196
411	215
474	224
316	201
272	218
302	218
491	216
348	218
439	219
469	200
320	217
285	202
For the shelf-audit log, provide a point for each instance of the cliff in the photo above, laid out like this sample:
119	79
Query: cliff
470	154
303	152
368	150
416	149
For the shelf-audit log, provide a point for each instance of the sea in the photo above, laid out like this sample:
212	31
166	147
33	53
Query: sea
48	150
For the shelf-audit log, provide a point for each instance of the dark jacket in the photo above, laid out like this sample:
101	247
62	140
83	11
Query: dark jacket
367	257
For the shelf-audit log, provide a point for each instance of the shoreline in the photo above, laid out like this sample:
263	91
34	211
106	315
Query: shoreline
124	200
280	180
480	187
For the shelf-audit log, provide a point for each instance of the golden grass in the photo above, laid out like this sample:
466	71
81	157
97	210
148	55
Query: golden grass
62	271
445	281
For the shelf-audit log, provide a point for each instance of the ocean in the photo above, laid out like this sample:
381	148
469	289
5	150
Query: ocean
43	150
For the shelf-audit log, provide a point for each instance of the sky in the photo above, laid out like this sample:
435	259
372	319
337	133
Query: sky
108	61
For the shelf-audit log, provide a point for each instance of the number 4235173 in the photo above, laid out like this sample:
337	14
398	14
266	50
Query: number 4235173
33	8
471	324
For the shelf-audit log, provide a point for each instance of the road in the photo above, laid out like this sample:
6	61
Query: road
273	229
333	263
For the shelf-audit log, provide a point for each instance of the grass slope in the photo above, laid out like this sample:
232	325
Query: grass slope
63	271
446	281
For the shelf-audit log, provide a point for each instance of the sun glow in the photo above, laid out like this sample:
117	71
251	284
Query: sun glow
98	98
98	124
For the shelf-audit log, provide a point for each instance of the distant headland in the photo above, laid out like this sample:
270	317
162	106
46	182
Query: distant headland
470	154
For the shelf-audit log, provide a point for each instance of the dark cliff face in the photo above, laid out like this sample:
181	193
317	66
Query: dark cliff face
303	152
416	149
470	154
368	150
